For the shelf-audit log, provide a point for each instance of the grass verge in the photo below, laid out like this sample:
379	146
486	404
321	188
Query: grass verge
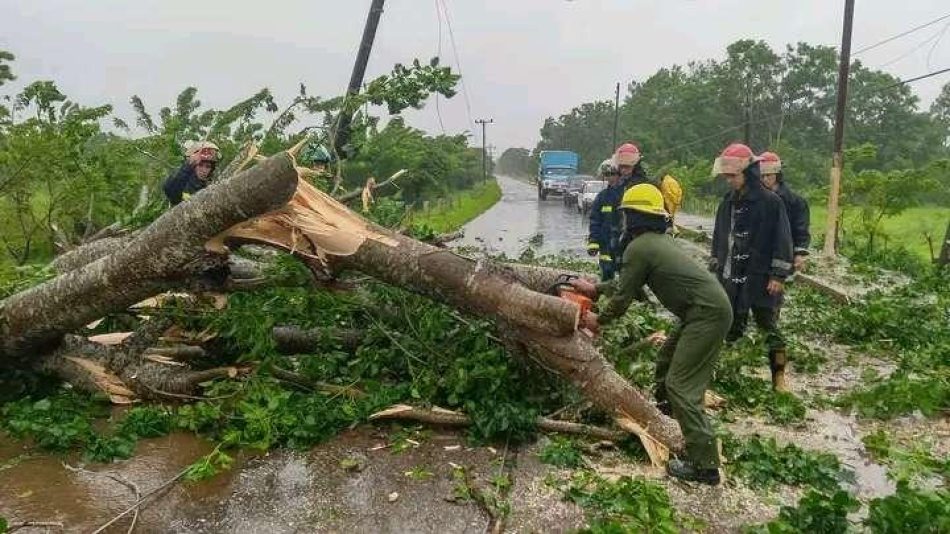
450	213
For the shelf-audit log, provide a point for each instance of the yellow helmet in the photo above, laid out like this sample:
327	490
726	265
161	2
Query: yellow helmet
645	198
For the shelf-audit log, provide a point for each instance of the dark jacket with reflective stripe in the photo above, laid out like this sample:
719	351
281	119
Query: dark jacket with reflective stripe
799	218
182	182
752	242
606	221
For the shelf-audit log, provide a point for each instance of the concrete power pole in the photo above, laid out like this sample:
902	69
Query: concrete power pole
837	156
342	134
484	122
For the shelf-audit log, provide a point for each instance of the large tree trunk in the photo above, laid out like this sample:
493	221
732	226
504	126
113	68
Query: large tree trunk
321	231
166	254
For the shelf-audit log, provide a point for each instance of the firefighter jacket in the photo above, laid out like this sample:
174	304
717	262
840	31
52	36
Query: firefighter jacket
799	218
183	183
751	243
606	223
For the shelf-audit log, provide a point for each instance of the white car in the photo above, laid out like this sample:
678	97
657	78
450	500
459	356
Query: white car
588	192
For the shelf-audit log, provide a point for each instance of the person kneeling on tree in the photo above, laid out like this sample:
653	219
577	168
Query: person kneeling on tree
201	158
685	364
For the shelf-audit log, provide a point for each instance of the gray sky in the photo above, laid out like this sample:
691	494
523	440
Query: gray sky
523	60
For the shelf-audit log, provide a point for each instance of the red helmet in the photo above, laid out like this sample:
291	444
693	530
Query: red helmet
734	159
627	154
770	163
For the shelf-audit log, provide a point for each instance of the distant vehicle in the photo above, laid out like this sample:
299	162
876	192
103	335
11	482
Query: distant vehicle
588	193
573	188
555	168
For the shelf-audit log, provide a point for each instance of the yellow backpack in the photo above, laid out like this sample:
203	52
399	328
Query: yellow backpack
672	194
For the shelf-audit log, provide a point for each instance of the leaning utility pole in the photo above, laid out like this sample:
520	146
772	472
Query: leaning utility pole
342	133
613	145
837	156
483	122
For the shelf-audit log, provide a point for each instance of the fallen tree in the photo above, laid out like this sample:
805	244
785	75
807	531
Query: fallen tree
323	233
176	250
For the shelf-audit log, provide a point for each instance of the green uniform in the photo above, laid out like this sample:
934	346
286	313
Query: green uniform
685	364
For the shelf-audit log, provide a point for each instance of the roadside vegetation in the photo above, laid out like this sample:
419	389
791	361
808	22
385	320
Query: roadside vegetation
878	363
451	212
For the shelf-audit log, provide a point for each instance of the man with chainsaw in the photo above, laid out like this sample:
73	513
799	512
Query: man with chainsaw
796	207
685	364
604	229
752	252
201	158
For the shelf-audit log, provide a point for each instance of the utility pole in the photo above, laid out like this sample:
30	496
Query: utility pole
342	133
613	145
484	122
837	156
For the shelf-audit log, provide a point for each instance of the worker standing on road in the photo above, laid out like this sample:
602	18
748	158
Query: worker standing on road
201	158
686	362
604	234
752	252
796	207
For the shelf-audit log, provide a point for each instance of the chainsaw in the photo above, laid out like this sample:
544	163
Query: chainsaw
562	288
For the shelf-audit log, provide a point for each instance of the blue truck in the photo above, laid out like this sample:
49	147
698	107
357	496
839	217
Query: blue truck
555	169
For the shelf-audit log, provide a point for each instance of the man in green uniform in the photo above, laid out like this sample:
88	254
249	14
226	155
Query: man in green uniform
686	361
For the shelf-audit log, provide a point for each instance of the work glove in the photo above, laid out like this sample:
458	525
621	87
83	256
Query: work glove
593	249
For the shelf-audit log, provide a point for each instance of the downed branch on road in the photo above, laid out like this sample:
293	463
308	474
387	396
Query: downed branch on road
449	418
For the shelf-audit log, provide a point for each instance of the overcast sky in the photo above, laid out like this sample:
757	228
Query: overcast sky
522	60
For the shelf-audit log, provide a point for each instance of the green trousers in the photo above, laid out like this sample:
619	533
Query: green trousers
684	369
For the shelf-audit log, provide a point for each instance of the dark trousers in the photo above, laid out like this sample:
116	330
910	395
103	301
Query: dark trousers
608	268
684	368
766	319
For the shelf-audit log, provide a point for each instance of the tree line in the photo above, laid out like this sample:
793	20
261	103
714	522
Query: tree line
68	169
898	154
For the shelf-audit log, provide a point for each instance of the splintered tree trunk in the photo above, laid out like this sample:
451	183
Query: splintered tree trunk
321	231
166	254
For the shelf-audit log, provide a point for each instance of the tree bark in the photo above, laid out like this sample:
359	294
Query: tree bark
167	252
293	340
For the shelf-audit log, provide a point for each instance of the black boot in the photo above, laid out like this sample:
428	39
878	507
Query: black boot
688	472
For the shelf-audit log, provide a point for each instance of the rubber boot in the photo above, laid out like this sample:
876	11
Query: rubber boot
777	360
690	473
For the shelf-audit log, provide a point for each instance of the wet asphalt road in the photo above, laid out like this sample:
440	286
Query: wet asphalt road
508	226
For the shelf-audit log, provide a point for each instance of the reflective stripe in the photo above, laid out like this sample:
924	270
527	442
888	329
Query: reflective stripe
593	246
606	257
606	209
781	264
185	196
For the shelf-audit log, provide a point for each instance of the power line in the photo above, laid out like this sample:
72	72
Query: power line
902	34
917	47
766	118
458	62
